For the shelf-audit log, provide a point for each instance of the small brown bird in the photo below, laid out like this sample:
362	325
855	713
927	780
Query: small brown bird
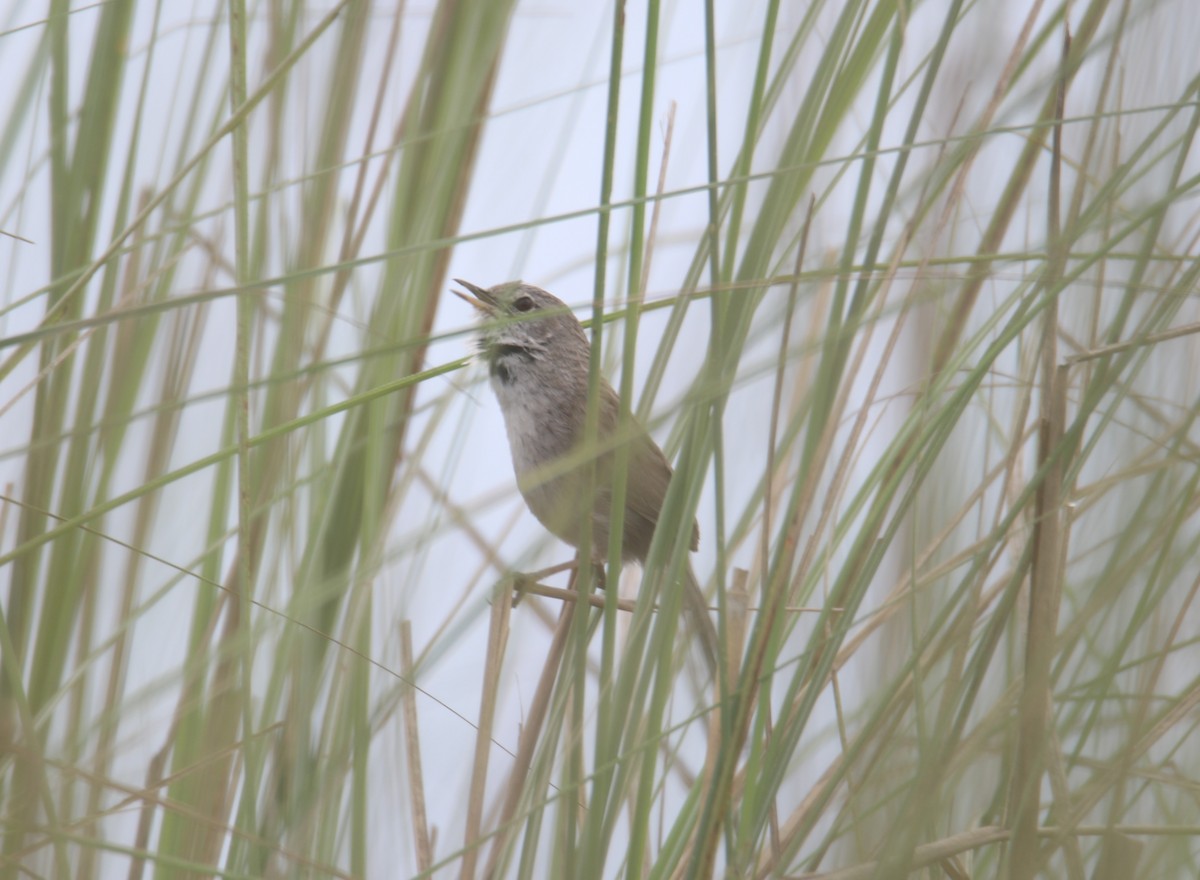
538	363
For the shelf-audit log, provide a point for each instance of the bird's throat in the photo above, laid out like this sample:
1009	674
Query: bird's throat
505	360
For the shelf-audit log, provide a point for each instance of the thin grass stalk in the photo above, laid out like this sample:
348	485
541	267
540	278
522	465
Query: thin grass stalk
801	700
360	736
736	319
741	725
229	451
72	178
603	807
718	724
54	310
898	849
760	767
762	103
530	735
1045	586
583	580
600	274
80	189
421	836
246	555
843	315
497	641
97	355
614	710
534	815
1024	165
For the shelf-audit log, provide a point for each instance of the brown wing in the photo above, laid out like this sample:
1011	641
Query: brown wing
646	485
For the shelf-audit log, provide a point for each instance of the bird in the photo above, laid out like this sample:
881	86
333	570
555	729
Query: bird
538	356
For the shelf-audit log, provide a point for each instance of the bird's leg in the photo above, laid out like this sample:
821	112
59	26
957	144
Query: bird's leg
522	579
527	583
598	573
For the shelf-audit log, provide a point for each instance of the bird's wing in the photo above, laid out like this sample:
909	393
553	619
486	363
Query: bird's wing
649	472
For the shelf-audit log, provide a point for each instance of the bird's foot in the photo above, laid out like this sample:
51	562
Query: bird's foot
522	580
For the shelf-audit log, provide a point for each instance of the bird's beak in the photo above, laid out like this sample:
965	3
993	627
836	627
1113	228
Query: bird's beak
482	299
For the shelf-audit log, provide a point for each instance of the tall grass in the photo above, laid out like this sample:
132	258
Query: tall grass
931	274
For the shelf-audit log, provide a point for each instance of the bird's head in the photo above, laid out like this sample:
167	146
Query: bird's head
519	318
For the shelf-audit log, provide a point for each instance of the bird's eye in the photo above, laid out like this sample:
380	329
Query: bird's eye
523	304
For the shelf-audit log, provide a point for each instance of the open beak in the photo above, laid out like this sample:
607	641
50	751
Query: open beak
481	298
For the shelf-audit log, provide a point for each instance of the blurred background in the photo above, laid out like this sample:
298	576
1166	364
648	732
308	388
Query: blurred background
905	290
